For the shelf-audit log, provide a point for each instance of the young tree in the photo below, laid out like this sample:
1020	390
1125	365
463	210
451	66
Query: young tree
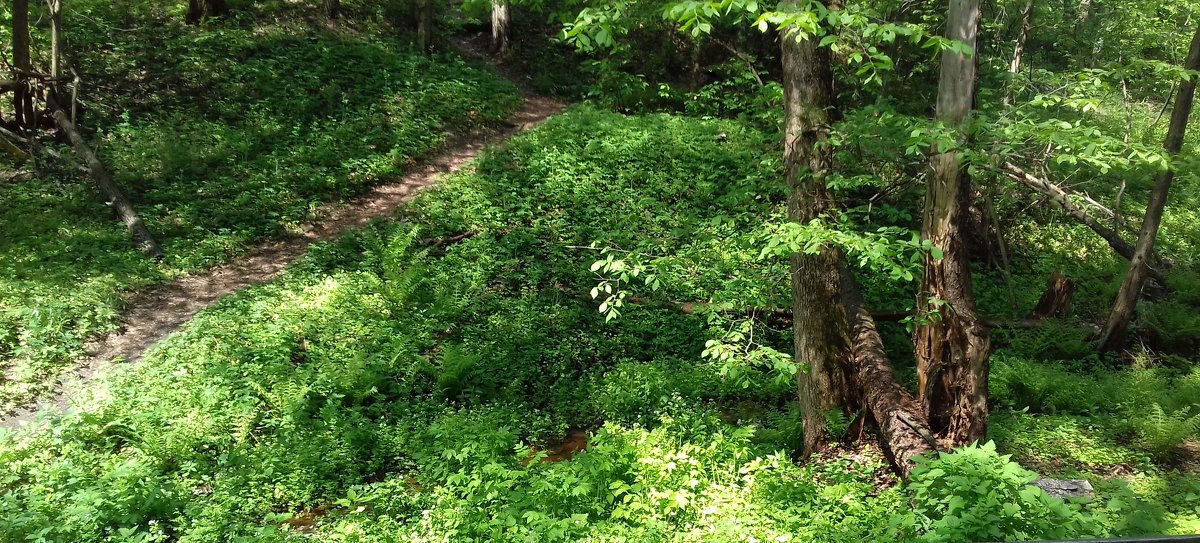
424	25
22	67
1014	67
200	10
952	345
1122	312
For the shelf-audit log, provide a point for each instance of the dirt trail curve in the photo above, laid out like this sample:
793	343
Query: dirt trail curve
153	314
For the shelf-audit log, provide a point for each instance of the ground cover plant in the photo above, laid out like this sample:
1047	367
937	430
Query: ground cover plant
409	383
266	116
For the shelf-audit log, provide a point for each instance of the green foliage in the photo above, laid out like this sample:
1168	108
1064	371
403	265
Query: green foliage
975	494
1162	433
221	136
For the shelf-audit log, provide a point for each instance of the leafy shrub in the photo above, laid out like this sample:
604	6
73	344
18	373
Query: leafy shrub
1162	433
975	494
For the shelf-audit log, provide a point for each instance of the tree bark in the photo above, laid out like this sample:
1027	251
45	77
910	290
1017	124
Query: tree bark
1014	67
200	10
1113	334
952	345
22	93
333	8
820	326
108	189
500	26
1056	299
425	25
55	9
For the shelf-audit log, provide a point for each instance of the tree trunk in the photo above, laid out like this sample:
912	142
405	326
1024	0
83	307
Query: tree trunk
952	345
1056	299
23	92
1014	67
500	25
1122	312
111	193
846	368
425	25
333	8
820	326
200	10
56	71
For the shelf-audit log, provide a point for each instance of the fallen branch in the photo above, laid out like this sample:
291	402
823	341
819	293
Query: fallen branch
1061	198
112	194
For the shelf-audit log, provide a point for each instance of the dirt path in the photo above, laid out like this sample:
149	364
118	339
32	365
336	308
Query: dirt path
154	314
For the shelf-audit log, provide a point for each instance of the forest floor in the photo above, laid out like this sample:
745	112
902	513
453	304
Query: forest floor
153	314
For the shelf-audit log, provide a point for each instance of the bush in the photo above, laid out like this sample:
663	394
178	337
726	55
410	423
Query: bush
975	494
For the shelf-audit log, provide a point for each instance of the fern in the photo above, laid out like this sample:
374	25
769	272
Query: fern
1162	433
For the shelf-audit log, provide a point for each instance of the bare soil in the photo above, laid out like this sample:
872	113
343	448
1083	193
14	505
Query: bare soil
153	314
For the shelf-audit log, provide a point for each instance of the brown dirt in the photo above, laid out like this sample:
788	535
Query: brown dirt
152	315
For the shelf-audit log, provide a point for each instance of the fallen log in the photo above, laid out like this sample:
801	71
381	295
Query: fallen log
1061	198
113	196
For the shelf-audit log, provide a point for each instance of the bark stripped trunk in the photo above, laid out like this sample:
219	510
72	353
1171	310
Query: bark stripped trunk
819	325
1122	312
1014	67
835	335
22	93
200	10
111	193
500	25
952	349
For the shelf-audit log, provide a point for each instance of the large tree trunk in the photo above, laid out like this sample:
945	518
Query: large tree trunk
1131	288
500	25
425	25
820	326
845	366
1014	67
952	344
333	8
111	193
200	10
23	93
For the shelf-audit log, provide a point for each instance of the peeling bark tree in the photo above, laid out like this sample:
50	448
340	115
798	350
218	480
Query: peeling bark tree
1131	288
500	25
952	346
200	10
22	93
835	336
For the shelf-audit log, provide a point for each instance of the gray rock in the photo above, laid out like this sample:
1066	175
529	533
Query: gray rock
1066	488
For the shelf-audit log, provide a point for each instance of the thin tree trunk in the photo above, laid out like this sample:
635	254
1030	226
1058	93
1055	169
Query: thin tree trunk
333	8
111	193
952	346
55	9
500	26
1014	67
820	326
23	93
1131	288
200	10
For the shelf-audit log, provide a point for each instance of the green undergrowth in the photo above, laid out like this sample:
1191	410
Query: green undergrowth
424	380
221	136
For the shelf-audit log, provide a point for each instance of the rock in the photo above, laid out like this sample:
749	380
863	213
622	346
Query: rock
1066	488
